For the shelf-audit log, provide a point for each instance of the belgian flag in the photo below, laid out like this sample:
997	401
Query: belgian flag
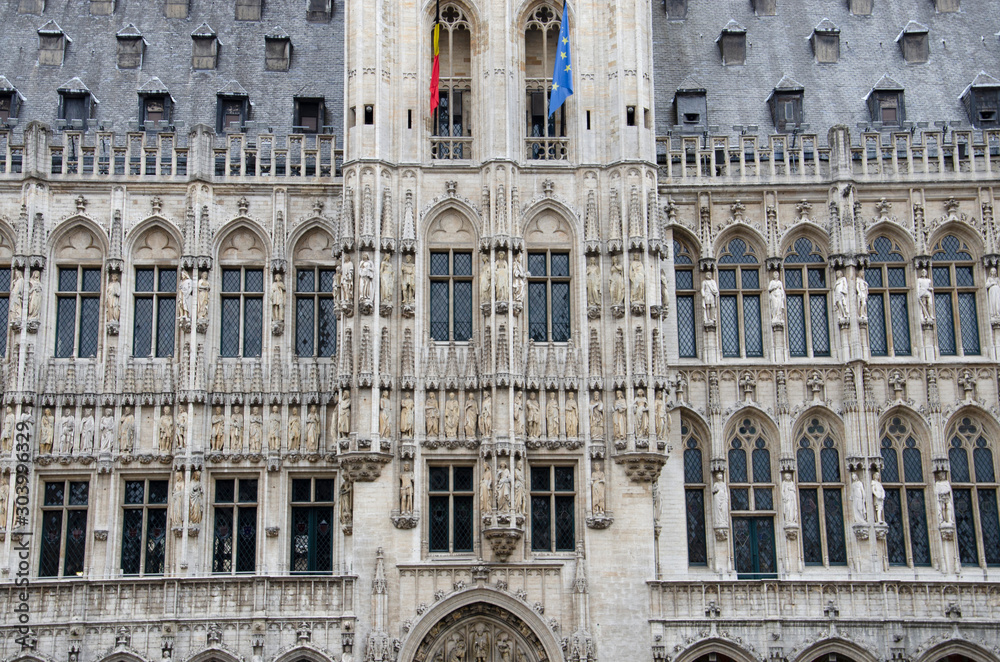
436	67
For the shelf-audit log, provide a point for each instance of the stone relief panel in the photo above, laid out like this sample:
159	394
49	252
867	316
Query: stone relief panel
156	244
451	227
481	633
314	246
79	243
548	229
242	244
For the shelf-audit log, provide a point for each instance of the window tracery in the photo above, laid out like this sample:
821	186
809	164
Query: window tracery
888	299
974	492
821	495
807	292
751	495
955	311
739	300
452	127
905	509
684	287
694	493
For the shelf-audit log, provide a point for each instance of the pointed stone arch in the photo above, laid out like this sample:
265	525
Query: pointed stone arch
124	656
550	217
716	645
154	239
79	239
957	647
821	649
301	652
823	412
451	223
898	235
312	242
214	654
243	240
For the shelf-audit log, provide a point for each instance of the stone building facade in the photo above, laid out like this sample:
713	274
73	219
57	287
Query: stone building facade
297	370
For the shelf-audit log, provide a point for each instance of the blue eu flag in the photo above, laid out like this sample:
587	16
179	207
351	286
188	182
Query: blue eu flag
562	71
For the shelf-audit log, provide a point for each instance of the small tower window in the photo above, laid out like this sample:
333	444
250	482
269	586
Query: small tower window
130	47
277	51
75	104
51	44
319	11
982	101
913	43
825	42
205	48
248	10
733	44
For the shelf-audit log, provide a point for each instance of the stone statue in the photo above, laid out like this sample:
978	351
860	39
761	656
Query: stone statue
502	279
503	488
347	281
7	436
598	489
484	279
486	415
660	412
432	415
46	432
343	417
4	498
181	426
519	413
520	281
720	502
858	504
406	417
709	298
451	416
312	426
177	501
619	423
520	496
34	295
236	430
408	279
196	500
481	644
878	496
534	416
504	648
218	430
616	282
384	423
942	490
294	431
552	415
166	431
366	278
458	651
640	410
274	429
925	296
840	304
387	279
789	499
278	299
88	429
596	415
572	417
107	431
664	290
67	432
126	432
776	297
992	294
593	282
406	490
861	287
256	431
114	307
486	489
204	290
637	280
471	415
16	297
184	291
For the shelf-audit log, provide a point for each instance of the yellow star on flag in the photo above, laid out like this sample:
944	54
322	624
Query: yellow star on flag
555	86
565	40
562	54
567	68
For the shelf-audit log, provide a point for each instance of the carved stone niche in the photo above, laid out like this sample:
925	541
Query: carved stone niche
503	540
363	466
642	467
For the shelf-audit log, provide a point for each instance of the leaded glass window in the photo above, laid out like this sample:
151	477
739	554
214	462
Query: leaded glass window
545	132
78	311
974	490
64	528
953	273
888	293
548	296
694	494
684	291
806	296
315	312
144	527
451	295
242	320
452	129
312	524
154	311
5	276
451	525
905	510
821	496
553	509
751	499
235	536
739	301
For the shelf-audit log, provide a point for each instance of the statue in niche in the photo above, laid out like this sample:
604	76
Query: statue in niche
346	502
519	413
218	430
126	432
46	432
294	431
34	295
992	294
196	500
406	489
366	278
520	495
343	416
504	647
278	299
640	410
925	296
660	412
789	499
720	501
776	297
572	417
7	436
274	429
481	644
596	415
384	423
486	489
107	431
236	430
664	290
114	308
616	282
484	279
451	416
861	287
387	279
709	298
471	415
347	281
4	498
598	489
67	431
503	488
840	304
520	281
534	416
312	427
406	417
432	415
552	415
16	296
88	429
942	490
256	431
618	418
486	416
177	501
502	278
204	290
859	505
593	282
878	498
181	426
184	291
637	280
408	279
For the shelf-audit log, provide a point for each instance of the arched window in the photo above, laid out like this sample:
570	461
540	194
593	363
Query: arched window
905	507
452	127
546	133
888	310
821	496
315	302
739	300
155	294
684	290
974	489
451	241
241	326
6	274
751	495
806	300
79	259
955	297
548	295
694	493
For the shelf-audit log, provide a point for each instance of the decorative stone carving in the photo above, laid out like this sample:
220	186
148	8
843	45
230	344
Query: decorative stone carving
277	298
432	415
840	302
218	430
640	410
452	413
925	297
637	284
34	298
859	503
709	299
502	279
776	299
534	418
789	500
619	420
572	416
942	490
126	432
878	494
196	499
46	432
294	431
313	427
596	415
406	417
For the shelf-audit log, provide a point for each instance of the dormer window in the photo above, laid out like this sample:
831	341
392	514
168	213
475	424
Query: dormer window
102	7
309	116
10	101
277	50
231	113
205	48
130	47
765	7
861	7
913	43
155	105
825	42
785	103
176	8
51	44
946	5
885	103
31	7
733	44
982	101
319	11
248	10
75	104
691	106
675	9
